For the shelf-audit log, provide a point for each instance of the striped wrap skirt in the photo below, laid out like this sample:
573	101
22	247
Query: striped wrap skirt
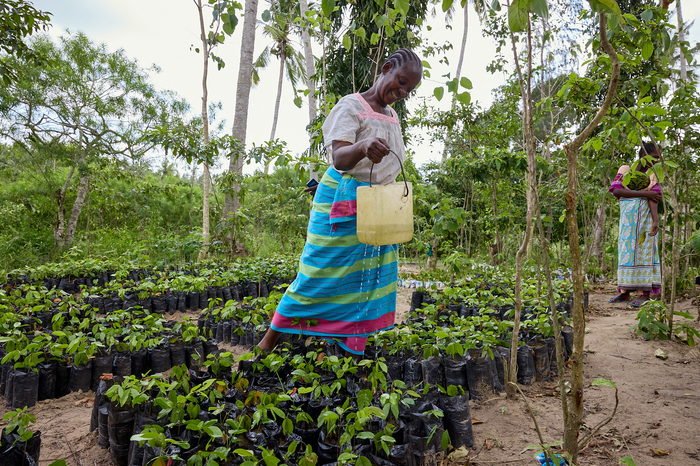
344	290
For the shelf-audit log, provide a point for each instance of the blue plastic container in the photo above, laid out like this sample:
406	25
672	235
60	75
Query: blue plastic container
540	458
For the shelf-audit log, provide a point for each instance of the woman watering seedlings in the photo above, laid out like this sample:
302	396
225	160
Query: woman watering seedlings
638	256
346	290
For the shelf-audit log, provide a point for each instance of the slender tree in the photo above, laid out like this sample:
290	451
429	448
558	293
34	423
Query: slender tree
279	29
572	424
207	48
240	119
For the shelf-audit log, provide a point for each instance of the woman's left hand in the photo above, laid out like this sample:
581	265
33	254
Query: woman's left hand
654	229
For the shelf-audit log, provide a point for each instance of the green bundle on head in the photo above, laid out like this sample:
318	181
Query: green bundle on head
636	181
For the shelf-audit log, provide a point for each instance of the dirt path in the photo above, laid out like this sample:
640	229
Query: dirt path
659	404
658	407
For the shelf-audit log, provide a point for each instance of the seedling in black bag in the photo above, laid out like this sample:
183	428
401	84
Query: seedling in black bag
154	436
19	420
25	354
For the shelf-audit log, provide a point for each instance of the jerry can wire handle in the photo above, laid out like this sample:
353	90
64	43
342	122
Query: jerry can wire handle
402	172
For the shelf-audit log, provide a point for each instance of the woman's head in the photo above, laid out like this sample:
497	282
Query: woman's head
649	148
401	73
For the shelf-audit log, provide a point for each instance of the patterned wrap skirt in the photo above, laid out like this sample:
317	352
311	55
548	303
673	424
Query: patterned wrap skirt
638	256
344	290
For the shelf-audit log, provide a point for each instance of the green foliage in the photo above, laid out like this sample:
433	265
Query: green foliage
18	21
653	322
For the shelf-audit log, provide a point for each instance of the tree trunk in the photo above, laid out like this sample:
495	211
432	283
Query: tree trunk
599	238
530	146
283	57
595	245
308	60
310	71
495	248
471	220
572	424
206	183
83	187
681	38
457	75
240	119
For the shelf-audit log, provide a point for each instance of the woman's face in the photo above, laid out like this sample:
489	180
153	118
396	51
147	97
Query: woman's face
397	82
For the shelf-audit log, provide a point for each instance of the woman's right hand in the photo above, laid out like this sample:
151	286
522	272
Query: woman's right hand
375	149
652	196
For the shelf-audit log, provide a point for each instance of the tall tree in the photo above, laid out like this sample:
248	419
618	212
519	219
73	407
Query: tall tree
574	414
207	47
84	105
308	58
223	19
479	8
279	28
240	119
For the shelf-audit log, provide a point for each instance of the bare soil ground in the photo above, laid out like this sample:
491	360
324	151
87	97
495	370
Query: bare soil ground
658	411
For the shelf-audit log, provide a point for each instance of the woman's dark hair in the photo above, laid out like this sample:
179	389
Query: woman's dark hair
648	148
402	56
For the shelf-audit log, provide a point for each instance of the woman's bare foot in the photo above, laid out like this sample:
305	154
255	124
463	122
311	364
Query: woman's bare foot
624	296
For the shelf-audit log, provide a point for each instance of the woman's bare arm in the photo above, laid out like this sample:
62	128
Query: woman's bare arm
346	155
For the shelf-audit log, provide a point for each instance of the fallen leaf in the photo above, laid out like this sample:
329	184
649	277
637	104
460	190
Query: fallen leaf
659	353
657	452
460	455
476	421
490	444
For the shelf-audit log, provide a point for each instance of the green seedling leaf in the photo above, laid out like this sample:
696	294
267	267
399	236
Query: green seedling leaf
402	6
518	15
438	92
626	460
539	7
445	442
464	97
647	49
327	7
605	6
606	382
653	111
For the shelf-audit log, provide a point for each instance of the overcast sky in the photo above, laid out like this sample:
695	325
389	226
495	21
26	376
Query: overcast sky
165	32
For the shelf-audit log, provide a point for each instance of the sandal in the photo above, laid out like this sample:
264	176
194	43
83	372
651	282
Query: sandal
618	299
638	302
